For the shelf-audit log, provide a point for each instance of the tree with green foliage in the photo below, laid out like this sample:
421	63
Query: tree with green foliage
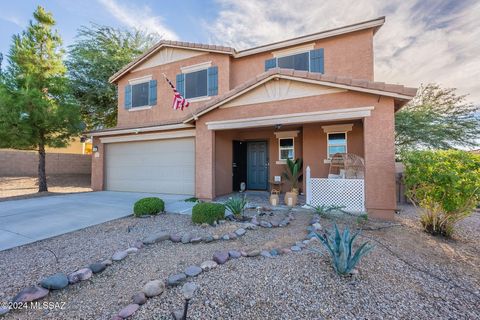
98	53
437	118
36	107
446	186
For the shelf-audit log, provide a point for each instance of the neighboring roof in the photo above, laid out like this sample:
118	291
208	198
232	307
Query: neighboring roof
400	93
375	24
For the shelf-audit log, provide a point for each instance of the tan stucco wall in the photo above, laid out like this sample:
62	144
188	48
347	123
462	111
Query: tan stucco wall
349	55
97	165
163	111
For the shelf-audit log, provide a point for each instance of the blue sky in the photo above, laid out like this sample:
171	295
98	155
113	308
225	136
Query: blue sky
422	41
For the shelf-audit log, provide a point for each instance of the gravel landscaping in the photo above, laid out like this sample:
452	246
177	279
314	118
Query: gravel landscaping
408	275
14	188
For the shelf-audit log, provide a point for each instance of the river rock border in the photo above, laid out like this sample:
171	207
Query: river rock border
154	288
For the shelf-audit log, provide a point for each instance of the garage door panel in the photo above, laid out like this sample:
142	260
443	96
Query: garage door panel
163	166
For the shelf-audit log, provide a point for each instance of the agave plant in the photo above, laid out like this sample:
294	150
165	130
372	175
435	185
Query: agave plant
293	173
339	246
236	205
323	210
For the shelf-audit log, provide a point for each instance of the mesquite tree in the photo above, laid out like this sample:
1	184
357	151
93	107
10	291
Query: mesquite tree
36	107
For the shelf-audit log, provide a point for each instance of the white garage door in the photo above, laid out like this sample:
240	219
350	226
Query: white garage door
159	166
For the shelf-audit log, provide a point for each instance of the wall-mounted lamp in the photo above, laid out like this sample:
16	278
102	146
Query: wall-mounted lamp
95	149
278	126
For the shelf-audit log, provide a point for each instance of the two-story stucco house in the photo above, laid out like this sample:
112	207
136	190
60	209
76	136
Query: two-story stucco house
307	97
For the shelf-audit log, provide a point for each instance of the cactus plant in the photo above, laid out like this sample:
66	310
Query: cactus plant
340	247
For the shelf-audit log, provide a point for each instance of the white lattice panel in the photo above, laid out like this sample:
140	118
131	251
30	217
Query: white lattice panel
349	193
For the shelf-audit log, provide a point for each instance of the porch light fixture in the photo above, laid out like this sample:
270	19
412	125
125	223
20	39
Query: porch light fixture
95	149
278	126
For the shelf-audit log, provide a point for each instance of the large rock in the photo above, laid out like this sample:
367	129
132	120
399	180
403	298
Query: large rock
175	237
153	288
265	224
189	289
97	267
254	220
265	254
253	253
208	265
139	298
317	226
250	226
119	255
55	282
128	310
186	238
295	248
4	310
234	254
196	240
220	257
30	294
176	279
138	244
80	275
208	238
156	237
226	237
131	250
193	271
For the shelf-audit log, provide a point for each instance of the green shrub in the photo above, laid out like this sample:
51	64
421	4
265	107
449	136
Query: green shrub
446	186
340	248
208	212
236	205
324	210
149	205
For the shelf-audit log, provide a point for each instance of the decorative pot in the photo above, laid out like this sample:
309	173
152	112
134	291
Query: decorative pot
291	199
274	199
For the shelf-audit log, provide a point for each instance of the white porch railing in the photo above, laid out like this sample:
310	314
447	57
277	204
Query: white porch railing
349	193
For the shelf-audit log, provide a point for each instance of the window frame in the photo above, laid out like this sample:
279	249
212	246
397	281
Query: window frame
294	54
185	85
148	94
329	156
280	148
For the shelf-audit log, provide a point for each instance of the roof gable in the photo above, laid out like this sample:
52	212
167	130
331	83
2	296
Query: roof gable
280	89
167	55
323	84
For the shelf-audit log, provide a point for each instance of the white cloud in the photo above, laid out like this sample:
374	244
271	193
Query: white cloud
140	18
421	41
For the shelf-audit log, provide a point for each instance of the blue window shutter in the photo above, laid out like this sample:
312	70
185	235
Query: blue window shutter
212	81
181	84
128	96
152	93
270	63
317	61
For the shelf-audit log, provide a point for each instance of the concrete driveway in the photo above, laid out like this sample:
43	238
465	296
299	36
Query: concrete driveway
30	220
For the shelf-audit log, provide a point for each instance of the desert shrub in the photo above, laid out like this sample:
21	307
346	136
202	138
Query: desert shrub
208	212
340	247
236	205
324	210
445	184
150	205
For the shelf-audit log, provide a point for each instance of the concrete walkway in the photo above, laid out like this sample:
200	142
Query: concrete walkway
30	220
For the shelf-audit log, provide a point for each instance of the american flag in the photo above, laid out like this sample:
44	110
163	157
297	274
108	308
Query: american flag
179	102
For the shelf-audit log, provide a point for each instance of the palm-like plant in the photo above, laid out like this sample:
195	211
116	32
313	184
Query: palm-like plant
339	246
293	172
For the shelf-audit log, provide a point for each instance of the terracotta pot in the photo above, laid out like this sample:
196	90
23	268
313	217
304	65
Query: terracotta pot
291	199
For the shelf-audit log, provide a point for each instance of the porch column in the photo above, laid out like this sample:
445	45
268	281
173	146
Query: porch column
97	177
204	162
379	153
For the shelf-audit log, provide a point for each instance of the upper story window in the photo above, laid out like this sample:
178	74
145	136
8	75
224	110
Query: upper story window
299	61
196	84
140	92
198	81
304	58
336	143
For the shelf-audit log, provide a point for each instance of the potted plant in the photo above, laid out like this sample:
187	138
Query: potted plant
293	174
